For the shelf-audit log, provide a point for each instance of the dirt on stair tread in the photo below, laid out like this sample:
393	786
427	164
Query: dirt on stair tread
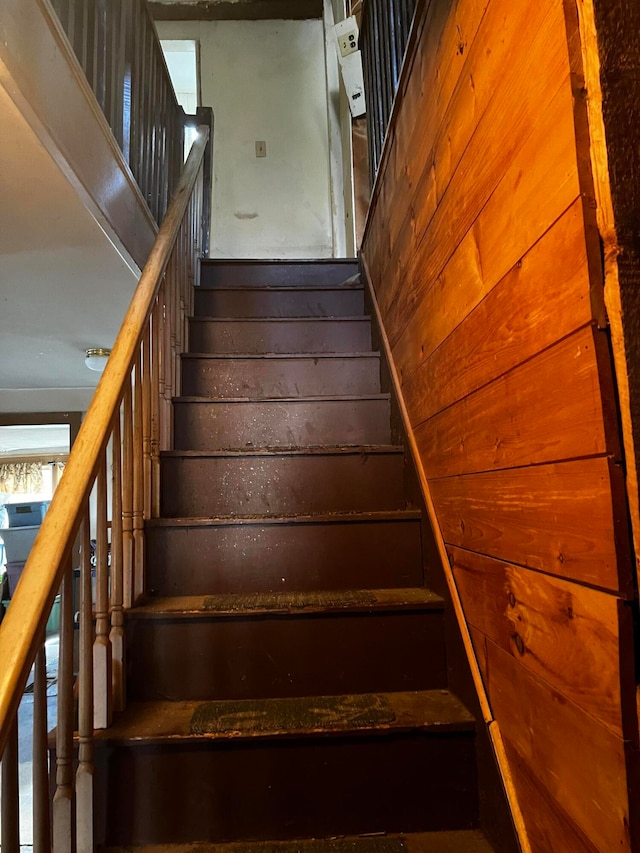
332	398
329	450
431	711
461	841
319	518
355	318
278	355
258	603
346	285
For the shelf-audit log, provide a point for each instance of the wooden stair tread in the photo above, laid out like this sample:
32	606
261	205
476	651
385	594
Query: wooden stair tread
330	518
337	450
461	841
233	356
427	711
356	318
280	603
283	288
320	399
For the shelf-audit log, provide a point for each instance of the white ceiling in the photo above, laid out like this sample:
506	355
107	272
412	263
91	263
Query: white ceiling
63	286
34	439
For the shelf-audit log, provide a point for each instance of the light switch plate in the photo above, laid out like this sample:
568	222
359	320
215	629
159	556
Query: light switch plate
261	148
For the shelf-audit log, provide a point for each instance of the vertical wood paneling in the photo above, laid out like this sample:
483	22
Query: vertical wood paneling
481	249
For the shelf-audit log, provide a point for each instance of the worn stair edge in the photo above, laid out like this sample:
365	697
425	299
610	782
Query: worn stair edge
430	712
204	606
357	318
455	841
347	398
347	286
324	518
337	450
291	356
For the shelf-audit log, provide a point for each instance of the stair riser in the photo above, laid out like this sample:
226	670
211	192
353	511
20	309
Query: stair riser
284	336
327	787
281	485
280	656
217	426
257	378
264	303
256	274
283	556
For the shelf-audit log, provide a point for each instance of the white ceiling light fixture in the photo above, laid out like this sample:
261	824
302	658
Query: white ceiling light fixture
96	359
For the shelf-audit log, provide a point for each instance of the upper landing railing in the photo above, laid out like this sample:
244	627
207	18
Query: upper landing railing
116	43
385	29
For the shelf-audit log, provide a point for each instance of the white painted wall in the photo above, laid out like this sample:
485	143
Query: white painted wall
266	81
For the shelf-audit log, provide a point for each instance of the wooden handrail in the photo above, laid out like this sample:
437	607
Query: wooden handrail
23	627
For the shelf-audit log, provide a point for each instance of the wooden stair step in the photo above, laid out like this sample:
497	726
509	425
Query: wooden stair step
283	335
415	772
325	272
431	712
255	376
260	604
306	301
205	556
463	841
205	424
282	482
290	644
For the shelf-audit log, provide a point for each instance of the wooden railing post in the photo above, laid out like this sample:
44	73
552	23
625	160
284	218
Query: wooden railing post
41	819
102	678
62	809
127	497
84	774
10	796
138	482
117	587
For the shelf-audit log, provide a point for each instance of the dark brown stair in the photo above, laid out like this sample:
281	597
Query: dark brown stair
293	644
288	668
281	335
191	556
204	424
315	480
299	273
343	301
412	771
277	375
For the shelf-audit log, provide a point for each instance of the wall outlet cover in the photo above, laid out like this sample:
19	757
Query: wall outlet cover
346	33
261	148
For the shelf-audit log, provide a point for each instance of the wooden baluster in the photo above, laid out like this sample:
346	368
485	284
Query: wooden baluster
10	793
41	817
62	809
172	318
138	485
102	679
84	774
159	342
127	497
146	420
117	613
156	395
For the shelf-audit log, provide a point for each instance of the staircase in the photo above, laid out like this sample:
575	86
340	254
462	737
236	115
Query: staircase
287	675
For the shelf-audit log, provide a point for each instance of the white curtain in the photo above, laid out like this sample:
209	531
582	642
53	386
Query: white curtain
20	478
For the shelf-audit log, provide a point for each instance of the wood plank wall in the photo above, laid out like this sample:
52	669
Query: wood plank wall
482	249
